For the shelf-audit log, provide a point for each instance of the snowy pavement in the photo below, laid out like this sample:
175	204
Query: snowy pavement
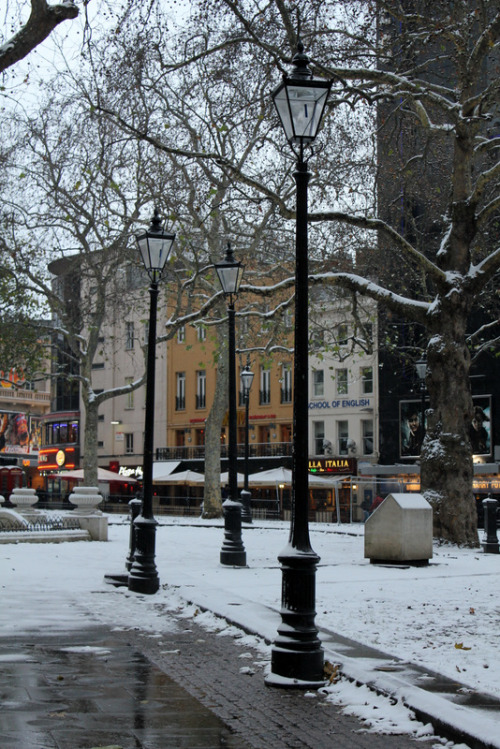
442	618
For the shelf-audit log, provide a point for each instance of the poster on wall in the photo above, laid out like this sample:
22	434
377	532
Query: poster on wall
35	433
412	431
480	428
14	432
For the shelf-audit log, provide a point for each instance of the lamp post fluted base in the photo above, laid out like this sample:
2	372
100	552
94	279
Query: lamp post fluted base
246	511
297	658
120	579
143	577
233	552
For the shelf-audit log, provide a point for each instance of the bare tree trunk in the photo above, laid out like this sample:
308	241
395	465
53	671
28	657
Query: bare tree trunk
212	502
90	442
447	469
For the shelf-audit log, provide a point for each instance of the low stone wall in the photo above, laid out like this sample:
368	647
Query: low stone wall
31	525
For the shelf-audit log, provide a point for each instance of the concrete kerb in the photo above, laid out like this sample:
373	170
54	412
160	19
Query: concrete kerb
385	675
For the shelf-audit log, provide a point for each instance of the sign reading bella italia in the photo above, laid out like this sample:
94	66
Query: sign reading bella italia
333	465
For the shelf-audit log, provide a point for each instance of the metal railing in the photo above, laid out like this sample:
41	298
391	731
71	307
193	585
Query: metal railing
194	452
25	396
46	523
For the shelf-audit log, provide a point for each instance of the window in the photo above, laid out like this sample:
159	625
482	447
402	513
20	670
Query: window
130	395
286	383
244	327
342	382
201	384
318	383
146	332
180	397
98	365
319	437
129	444
181	334
100	417
129	336
265	386
201	332
367	380
317	339
342	335
342	436
287	319
367	434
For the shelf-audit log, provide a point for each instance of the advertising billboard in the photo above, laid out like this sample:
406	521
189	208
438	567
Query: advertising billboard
19	433
412	431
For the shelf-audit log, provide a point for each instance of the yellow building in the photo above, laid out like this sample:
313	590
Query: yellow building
191	380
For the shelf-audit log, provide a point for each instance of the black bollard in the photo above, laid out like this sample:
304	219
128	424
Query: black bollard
135	509
121	578
490	543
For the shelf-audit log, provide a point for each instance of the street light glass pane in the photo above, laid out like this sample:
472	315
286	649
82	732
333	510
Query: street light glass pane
421	367
246	379
230	277
155	250
300	109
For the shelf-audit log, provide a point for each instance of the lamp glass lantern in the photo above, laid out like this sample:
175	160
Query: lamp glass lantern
300	101
155	245
421	367
300	105
246	377
230	272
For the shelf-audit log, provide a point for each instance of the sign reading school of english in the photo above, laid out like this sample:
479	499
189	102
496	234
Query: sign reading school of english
342	403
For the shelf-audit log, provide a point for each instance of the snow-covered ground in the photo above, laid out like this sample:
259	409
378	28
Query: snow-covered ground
443	617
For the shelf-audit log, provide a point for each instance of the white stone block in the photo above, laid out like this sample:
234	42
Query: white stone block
400	530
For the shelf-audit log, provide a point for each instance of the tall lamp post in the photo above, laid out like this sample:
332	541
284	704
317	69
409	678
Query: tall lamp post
246	377
154	246
233	553
421	367
297	655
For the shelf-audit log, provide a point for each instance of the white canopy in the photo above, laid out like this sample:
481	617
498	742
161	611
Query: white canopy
102	475
183	477
224	478
284	476
163	468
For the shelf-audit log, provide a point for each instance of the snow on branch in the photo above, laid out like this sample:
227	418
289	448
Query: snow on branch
412	308
375	224
42	21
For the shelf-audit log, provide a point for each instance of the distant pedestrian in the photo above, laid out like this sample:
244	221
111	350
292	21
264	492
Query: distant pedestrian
365	506
376	502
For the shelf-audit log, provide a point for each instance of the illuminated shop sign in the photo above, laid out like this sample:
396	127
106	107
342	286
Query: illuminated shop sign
53	458
127	471
333	465
341	403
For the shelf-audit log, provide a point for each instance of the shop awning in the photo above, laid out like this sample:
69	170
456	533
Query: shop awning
102	475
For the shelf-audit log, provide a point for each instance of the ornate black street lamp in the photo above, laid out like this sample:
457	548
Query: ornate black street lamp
233	553
421	367
154	245
246	377
297	655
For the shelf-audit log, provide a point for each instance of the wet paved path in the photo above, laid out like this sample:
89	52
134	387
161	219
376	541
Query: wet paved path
129	690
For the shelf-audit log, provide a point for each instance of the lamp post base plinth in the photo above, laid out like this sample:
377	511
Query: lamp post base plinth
246	512
233	552
120	579
297	658
143	577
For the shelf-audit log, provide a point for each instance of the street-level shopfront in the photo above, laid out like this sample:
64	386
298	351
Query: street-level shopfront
406	478
335	504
